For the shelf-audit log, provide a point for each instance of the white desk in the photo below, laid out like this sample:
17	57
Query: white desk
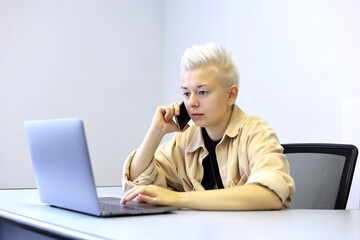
23	209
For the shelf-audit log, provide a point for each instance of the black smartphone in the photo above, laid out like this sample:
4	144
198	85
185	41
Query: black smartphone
183	118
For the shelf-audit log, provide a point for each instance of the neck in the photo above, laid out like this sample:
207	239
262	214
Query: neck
217	132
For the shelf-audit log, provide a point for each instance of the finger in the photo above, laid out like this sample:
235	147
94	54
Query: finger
145	198
127	194
176	108
144	190
125	199
169	113
131	194
162	109
165	112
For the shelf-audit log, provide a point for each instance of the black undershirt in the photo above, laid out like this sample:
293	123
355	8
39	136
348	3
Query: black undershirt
208	181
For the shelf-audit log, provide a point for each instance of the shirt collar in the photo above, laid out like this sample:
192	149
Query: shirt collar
236	122
197	141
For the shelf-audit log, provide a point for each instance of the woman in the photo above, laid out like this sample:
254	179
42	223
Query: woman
236	158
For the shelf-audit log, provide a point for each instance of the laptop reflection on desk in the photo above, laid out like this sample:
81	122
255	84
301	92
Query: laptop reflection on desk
63	172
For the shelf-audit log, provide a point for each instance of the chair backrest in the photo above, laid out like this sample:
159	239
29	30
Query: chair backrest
323	174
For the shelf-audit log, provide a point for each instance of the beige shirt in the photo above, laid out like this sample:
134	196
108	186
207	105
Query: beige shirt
249	152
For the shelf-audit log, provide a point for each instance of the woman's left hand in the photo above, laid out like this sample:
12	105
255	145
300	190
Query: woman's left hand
152	194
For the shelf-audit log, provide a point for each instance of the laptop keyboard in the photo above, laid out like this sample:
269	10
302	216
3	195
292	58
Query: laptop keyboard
105	206
128	205
111	206
109	203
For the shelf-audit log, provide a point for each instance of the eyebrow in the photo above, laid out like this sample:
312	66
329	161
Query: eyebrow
198	86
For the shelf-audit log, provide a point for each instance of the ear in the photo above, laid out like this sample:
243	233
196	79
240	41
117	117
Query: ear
232	94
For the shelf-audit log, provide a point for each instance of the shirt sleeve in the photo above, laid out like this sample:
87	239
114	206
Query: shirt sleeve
268	165
145	178
162	170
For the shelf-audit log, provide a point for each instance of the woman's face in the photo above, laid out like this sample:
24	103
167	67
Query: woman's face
206	100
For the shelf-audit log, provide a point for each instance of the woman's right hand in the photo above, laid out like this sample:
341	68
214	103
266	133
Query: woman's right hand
163	119
162	124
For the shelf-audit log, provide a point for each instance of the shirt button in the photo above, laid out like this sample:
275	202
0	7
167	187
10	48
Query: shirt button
198	179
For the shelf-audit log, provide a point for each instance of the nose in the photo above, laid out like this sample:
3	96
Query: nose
193	101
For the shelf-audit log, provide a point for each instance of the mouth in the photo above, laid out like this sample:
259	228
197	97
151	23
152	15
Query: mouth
196	115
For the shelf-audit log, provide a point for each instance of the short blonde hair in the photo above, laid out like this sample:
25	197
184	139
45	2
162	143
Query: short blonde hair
212	56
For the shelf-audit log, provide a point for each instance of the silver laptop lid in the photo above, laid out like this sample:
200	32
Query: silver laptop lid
62	165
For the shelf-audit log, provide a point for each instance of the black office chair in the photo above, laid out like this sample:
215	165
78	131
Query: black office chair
323	174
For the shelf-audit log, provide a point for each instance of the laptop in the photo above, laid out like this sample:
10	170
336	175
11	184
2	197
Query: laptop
63	172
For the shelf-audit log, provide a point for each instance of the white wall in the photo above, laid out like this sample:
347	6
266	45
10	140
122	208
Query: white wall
101	60
91	59
298	60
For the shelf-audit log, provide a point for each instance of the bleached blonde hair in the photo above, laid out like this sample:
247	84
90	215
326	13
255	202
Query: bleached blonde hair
212	56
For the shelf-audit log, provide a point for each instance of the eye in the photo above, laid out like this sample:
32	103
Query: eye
203	92
186	94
